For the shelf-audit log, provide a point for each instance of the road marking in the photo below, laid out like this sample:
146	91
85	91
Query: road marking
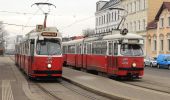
6	90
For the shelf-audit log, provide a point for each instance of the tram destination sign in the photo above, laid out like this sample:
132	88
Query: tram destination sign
133	41
50	34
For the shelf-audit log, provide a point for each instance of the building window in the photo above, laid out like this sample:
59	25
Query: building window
144	2
169	21
112	16
161	22
115	16
127	8
118	14
139	4
131	7
135	26
96	21
99	20
144	24
135	6
155	45
131	28
104	19
161	45
168	44
109	17
138	25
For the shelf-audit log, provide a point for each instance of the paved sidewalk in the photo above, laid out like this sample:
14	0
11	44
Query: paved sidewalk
111	88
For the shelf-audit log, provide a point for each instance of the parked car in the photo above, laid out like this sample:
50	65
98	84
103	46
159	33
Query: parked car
163	61
148	61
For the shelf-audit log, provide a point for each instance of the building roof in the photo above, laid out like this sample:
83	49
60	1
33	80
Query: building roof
152	25
165	5
109	4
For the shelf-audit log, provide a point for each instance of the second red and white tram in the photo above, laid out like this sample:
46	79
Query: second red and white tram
39	54
117	54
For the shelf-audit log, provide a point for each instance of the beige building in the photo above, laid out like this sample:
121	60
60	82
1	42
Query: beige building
140	13
158	34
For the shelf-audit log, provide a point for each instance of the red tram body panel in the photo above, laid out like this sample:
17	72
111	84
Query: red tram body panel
39	54
117	55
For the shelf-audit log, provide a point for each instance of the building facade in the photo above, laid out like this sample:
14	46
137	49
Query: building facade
158	34
107	19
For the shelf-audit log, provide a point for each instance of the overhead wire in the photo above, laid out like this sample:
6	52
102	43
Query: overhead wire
78	21
22	13
34	14
17	25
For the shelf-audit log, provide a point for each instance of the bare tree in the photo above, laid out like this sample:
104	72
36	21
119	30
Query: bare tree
3	32
87	32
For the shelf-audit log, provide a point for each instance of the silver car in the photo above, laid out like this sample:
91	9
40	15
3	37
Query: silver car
148	61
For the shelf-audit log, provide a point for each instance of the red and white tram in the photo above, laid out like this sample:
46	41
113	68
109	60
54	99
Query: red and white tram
39	54
116	55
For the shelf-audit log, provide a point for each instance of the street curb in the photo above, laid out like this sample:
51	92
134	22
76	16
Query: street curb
108	95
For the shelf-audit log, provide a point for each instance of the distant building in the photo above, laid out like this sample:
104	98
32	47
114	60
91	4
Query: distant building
106	19
158	34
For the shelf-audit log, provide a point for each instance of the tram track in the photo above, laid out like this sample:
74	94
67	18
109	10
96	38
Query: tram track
149	84
47	92
54	93
147	87
70	89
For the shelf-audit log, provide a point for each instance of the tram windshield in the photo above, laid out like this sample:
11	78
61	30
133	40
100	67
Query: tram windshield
48	47
131	50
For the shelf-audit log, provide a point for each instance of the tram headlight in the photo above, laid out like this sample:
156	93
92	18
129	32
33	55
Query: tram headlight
133	64
49	65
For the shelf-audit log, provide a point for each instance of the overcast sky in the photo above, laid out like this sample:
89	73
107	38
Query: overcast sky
69	16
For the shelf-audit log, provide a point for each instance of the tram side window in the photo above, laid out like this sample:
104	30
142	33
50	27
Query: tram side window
64	49
96	48
32	48
89	48
110	48
99	48
27	48
85	48
104	48
115	49
79	49
71	49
